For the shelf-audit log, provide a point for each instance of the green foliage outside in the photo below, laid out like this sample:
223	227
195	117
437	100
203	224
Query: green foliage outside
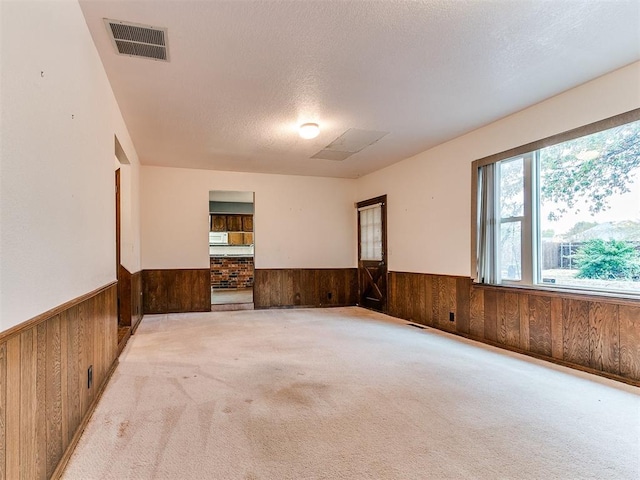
608	260
590	169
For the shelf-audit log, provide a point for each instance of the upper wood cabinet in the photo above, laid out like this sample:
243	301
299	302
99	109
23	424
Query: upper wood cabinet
231	223
218	223
234	223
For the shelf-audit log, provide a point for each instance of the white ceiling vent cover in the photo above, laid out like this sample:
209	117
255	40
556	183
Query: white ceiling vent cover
135	40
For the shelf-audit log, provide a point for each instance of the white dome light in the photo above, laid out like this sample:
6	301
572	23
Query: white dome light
309	130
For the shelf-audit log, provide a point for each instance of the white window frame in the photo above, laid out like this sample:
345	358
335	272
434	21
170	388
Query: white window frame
531	276
526	223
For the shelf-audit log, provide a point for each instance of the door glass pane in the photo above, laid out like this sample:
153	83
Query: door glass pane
371	233
512	188
511	251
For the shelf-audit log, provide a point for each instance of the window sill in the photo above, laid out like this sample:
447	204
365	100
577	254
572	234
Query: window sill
619	298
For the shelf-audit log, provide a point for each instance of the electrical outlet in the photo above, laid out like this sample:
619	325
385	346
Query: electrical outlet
452	316
90	376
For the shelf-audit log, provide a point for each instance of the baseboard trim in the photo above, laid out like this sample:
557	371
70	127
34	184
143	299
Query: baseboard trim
136	325
66	456
26	325
297	307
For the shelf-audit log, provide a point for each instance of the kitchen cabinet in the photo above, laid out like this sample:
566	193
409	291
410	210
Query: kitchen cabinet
218	223
238	228
236	238
234	223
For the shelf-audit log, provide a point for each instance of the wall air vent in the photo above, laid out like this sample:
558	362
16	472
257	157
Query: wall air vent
136	40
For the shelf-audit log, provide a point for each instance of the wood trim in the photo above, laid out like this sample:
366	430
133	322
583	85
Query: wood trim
118	222
402	272
28	324
66	456
124	296
305	287
130	295
607	123
372	201
562	293
136	301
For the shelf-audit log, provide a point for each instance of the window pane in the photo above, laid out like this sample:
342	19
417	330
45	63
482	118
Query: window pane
371	233
590	211
512	188
511	251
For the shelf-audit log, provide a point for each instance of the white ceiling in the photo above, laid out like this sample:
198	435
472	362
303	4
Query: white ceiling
244	74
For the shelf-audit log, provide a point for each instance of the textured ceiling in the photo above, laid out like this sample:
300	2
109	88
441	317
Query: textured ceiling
244	74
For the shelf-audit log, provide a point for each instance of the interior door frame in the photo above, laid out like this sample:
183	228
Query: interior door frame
364	264
118	243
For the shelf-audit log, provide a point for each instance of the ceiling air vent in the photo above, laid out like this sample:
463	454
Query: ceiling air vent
136	40
350	142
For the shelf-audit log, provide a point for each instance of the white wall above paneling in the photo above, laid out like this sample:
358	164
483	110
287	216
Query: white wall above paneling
429	195
57	200
299	222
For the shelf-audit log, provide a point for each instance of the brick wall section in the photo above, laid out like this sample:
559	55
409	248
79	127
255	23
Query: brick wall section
232	272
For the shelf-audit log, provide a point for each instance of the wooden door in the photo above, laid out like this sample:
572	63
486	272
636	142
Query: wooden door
372	253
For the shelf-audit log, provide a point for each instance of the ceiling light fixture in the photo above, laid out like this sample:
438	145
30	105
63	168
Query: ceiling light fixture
309	130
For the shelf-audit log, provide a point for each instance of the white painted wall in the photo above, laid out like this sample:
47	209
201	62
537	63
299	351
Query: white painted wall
429	195
57	208
300	222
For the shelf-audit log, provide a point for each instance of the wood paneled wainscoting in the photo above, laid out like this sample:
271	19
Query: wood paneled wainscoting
305	287
598	334
176	290
45	397
130	290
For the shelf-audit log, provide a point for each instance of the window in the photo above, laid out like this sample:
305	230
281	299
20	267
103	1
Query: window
563	212
371	232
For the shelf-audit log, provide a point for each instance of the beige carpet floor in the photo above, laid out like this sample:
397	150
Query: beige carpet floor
347	394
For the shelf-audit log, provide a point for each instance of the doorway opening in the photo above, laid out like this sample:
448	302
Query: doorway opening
231	249
124	327
372	253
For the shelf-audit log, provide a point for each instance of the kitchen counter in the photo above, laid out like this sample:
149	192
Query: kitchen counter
231	250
